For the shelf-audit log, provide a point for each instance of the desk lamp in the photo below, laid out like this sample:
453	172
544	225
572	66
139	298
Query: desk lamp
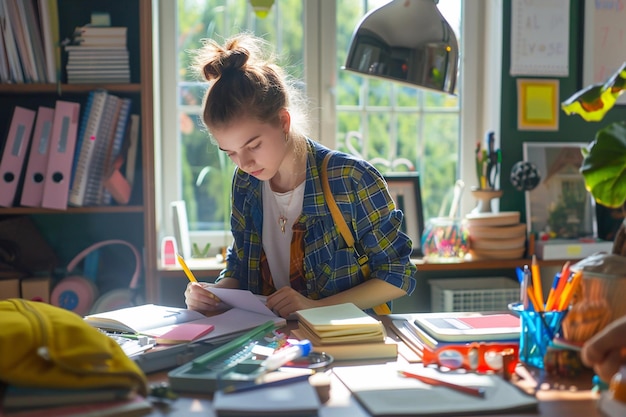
407	41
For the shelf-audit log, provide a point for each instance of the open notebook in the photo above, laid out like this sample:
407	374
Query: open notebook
245	311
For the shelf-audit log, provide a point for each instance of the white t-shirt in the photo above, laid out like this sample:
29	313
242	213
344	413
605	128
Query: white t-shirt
277	244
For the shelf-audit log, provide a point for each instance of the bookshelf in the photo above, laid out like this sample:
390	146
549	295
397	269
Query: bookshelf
70	231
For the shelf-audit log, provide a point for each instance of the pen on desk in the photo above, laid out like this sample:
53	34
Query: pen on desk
474	391
188	272
232	389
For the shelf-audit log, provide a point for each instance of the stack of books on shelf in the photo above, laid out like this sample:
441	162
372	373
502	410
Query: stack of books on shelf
70	154
28	36
98	54
345	332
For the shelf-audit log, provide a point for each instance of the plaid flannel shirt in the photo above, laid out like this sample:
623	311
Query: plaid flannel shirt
330	266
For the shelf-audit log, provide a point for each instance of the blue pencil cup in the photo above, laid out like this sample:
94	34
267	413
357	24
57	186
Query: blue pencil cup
538	329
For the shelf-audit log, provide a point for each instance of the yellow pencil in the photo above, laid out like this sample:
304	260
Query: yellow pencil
536	277
533	300
188	272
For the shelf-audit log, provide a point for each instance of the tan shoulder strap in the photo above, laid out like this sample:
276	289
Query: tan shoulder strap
332	205
340	221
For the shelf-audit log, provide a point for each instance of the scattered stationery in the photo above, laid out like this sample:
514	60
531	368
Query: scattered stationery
383	391
338	324
469	326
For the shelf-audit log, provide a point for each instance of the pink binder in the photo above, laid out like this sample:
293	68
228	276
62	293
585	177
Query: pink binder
32	191
14	153
61	155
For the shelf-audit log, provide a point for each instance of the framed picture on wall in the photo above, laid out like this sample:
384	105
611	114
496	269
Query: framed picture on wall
560	204
406	192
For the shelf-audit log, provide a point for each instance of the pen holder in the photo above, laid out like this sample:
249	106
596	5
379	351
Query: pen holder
538	330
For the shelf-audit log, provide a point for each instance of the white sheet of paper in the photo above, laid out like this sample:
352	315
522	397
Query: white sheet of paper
243	299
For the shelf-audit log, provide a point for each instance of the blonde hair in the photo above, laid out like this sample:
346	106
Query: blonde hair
245	81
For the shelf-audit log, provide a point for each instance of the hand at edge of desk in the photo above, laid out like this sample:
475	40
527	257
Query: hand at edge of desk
605	352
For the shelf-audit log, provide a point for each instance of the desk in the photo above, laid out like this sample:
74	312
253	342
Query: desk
558	397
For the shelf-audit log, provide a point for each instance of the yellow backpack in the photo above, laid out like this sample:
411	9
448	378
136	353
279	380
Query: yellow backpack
47	346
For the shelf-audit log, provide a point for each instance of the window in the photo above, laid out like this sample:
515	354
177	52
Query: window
395	127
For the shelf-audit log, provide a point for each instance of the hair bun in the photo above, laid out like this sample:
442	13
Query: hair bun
227	61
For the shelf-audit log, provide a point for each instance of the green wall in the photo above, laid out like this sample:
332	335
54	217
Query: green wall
571	128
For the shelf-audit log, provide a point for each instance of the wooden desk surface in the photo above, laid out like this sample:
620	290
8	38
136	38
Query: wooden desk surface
557	397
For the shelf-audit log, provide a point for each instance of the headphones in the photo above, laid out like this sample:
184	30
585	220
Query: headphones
80	295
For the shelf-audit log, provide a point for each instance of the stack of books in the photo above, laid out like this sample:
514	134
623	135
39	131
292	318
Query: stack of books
98	54
345	332
432	331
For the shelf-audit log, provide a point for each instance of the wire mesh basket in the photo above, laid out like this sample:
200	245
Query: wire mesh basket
473	294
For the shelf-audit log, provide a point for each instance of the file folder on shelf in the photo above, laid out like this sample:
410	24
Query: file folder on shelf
14	153
64	132
32	191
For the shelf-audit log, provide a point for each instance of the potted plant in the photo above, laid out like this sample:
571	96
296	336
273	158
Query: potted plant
604	158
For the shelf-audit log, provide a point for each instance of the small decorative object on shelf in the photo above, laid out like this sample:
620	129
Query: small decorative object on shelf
487	171
484	198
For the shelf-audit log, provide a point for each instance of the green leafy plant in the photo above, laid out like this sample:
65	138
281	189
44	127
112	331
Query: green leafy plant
604	158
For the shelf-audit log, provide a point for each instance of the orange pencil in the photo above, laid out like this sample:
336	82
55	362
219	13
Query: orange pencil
568	291
536	277
559	289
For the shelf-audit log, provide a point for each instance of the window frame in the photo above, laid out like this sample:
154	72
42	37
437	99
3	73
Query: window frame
481	58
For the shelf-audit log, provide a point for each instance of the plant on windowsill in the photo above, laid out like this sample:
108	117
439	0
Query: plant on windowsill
604	158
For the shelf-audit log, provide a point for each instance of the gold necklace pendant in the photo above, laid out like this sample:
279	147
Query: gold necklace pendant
282	221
